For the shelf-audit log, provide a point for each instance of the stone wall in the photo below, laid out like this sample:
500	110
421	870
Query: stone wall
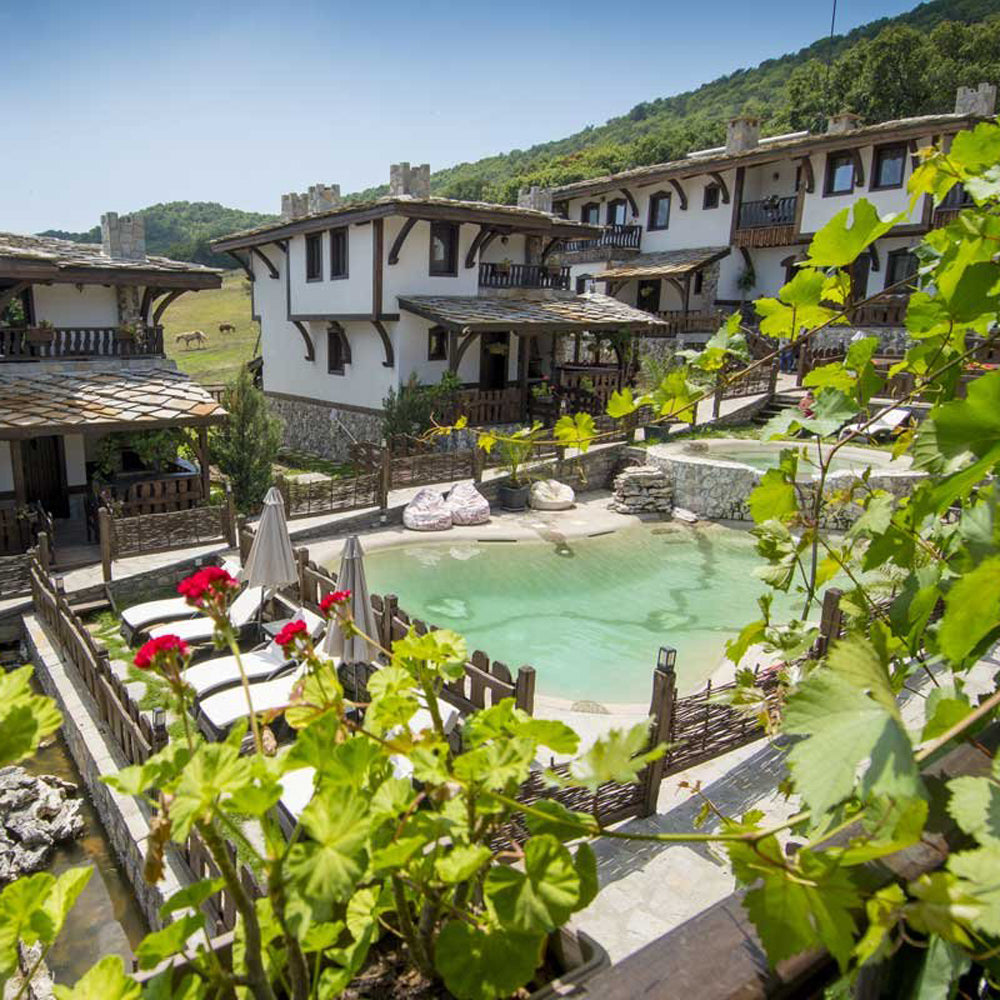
891	339
324	428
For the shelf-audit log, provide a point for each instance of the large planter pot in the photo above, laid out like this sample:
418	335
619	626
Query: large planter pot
578	957
514	497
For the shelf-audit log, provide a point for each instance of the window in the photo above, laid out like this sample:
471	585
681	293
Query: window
437	344
314	258
616	212
699	282
900	265
561	208
444	248
591	213
888	167
659	210
338	350
338	253
711	199
839	173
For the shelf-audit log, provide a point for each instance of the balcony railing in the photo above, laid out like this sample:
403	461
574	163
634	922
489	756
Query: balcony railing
523	276
887	310
771	211
620	237
679	321
19	343
953	203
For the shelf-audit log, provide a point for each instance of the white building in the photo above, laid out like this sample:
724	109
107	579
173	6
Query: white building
355	299
691	237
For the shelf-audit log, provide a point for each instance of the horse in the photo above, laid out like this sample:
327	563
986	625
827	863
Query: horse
227	328
196	336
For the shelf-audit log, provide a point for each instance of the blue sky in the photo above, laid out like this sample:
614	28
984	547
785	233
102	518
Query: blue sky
114	105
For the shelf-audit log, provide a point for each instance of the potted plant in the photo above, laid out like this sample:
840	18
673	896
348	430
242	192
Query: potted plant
126	332
504	266
44	333
514	452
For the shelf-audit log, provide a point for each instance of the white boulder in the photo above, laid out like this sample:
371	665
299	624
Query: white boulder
550	494
467	505
427	511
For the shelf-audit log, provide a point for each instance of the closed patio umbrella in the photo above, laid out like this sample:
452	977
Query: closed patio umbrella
352	577
271	562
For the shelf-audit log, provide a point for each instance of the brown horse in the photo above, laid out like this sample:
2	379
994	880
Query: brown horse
192	336
227	328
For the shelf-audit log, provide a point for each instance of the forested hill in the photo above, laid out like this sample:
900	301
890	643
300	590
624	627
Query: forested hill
890	68
182	229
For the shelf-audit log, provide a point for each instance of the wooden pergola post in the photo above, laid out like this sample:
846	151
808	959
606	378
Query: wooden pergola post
203	461
17	470
522	371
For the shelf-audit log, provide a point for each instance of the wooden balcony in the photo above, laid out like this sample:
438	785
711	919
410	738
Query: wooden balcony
18	343
523	276
679	321
614	237
890	310
769	222
954	201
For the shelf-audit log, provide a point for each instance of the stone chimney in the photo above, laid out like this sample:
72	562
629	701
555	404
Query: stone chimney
538	198
319	198
981	102
412	181
843	122
294	206
742	133
123	237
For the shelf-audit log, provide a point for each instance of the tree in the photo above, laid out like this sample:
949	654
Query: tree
246	445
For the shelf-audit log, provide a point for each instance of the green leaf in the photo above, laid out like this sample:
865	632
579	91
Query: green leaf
618	755
575	431
396	854
158	772
163	944
943	710
943	965
975	807
558	821
972	610
215	770
674	396
192	896
976	872
621	404
497	765
26	718
104	981
966	425
838	244
540	898
462	862
884	911
585	862
485	965
773	498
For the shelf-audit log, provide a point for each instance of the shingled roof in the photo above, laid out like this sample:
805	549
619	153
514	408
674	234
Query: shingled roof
36	402
46	257
575	313
668	263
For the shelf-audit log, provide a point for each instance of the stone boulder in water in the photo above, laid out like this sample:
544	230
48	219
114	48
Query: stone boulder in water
467	505
36	813
427	511
550	494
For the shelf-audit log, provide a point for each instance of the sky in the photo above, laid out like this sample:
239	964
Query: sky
113	106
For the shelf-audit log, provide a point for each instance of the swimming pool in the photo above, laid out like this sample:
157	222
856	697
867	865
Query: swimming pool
588	614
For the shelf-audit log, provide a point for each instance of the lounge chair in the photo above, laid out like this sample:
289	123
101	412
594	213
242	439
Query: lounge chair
242	612
259	664
141	616
891	422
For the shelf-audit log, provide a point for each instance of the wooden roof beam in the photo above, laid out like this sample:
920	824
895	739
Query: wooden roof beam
480	241
261	256
390	354
310	350
681	196
720	183
162	307
397	243
631	202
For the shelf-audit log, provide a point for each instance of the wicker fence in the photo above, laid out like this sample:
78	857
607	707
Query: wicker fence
133	730
330	496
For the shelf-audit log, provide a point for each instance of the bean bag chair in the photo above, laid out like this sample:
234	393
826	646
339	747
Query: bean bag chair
467	505
427	512
550	494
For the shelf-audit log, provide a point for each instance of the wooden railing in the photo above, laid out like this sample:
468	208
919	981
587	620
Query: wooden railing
19	529
773	211
523	276
888	310
133	730
159	496
679	321
622	237
757	380
18	343
220	908
483	407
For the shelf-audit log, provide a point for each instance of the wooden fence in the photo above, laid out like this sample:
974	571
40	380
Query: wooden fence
330	496
158	496
754	381
19	528
135	731
139	534
221	907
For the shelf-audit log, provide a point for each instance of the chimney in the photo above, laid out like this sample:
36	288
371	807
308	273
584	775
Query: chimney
742	133
843	122
981	102
538	198
323	197
407	181
123	237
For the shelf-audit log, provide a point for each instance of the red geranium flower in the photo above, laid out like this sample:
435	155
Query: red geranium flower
210	584
332	600
290	631
157	652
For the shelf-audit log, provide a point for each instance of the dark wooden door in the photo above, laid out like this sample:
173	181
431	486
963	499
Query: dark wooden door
44	465
649	295
494	350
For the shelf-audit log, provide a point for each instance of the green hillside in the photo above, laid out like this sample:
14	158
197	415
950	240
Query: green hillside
182	230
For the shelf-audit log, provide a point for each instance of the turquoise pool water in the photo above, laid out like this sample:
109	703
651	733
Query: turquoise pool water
765	457
588	614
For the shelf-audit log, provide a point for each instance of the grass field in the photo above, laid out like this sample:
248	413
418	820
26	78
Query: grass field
224	353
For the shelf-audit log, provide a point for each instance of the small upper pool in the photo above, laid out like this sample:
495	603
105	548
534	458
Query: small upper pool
588	614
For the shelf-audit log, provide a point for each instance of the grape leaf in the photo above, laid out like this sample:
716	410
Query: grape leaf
975	807
104	981
773	498
972	610
942	966
838	244
169	941
576	431
484	965
26	718
618	755
621	403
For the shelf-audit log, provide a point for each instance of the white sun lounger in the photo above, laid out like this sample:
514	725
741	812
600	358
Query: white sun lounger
259	664
241	612
888	423
141	616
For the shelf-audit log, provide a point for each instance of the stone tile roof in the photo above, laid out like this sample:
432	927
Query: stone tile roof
720	160
65	254
33	403
661	265
532	218
574	313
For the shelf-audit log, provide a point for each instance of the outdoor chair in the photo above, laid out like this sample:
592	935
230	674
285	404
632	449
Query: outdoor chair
140	617
891	422
242	613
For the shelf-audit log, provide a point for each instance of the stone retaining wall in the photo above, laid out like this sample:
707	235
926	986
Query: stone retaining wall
323	428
